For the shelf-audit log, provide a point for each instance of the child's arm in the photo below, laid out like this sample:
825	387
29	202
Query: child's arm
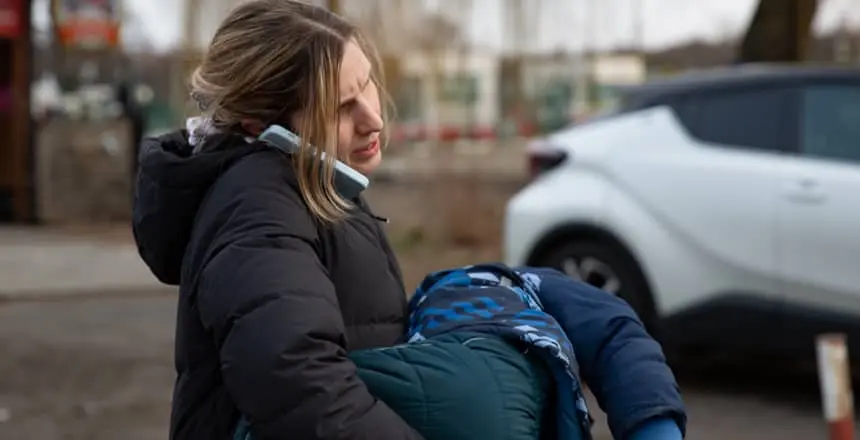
623	365
662	428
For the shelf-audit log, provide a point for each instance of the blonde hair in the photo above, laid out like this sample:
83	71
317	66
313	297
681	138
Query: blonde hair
268	60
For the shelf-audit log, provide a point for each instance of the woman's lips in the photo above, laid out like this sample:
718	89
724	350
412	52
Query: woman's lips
369	151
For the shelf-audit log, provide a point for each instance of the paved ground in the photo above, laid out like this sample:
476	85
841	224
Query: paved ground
100	369
39	262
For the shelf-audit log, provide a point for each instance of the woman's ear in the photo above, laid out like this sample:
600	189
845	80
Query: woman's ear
252	127
295	122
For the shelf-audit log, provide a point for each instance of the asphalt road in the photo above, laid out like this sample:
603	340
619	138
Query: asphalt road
101	369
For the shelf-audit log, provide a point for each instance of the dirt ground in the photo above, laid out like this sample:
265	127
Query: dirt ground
101	368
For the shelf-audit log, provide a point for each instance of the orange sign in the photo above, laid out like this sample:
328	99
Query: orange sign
10	18
88	23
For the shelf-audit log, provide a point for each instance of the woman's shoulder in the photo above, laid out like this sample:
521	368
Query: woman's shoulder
263	170
260	188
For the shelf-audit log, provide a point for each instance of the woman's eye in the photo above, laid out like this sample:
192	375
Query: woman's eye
346	106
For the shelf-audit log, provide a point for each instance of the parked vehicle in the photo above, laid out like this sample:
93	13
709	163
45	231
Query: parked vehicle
723	205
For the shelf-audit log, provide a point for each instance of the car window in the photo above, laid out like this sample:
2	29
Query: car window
750	118
831	122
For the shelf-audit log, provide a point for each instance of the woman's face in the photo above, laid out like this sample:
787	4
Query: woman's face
360	114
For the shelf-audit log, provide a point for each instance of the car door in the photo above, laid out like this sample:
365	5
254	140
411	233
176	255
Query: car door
715	188
819	206
742	136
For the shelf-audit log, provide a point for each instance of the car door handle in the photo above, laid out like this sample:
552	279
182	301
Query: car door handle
805	190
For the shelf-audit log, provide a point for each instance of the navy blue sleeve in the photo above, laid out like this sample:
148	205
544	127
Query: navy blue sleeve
622	364
657	429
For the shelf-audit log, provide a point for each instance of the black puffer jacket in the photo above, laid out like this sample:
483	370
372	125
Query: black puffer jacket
270	302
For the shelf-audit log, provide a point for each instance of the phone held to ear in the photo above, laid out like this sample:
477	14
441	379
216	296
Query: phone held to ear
348	182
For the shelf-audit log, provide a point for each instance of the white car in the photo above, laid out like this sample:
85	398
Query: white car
724	206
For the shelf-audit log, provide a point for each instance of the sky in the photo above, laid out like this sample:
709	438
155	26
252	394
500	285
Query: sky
563	25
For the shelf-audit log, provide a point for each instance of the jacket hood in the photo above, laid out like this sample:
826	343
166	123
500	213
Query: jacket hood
172	181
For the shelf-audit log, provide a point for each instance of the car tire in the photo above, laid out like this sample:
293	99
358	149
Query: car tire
608	267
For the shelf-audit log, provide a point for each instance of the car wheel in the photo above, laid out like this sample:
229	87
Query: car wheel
609	268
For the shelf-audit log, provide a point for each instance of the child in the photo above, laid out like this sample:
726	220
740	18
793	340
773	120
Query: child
497	353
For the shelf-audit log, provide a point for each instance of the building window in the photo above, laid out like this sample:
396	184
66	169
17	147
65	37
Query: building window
460	88
408	100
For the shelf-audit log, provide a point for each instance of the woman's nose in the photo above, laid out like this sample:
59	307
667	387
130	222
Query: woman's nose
369	121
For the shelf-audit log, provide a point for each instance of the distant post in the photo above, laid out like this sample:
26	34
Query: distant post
834	377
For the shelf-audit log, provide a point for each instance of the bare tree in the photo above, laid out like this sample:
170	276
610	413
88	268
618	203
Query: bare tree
521	29
467	15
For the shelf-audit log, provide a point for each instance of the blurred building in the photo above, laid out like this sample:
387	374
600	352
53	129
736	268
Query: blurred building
563	86
448	88
463	92
64	137
15	127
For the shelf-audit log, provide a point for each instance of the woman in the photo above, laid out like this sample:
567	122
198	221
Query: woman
279	276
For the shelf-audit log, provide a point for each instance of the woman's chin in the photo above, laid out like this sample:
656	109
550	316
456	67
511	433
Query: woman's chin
368	165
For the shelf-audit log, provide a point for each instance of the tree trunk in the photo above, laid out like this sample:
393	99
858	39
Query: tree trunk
779	31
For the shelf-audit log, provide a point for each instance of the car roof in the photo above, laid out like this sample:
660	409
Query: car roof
731	76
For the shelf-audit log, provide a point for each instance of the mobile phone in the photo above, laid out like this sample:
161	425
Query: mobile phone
348	182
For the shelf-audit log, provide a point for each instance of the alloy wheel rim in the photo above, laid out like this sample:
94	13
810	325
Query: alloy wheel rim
592	271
